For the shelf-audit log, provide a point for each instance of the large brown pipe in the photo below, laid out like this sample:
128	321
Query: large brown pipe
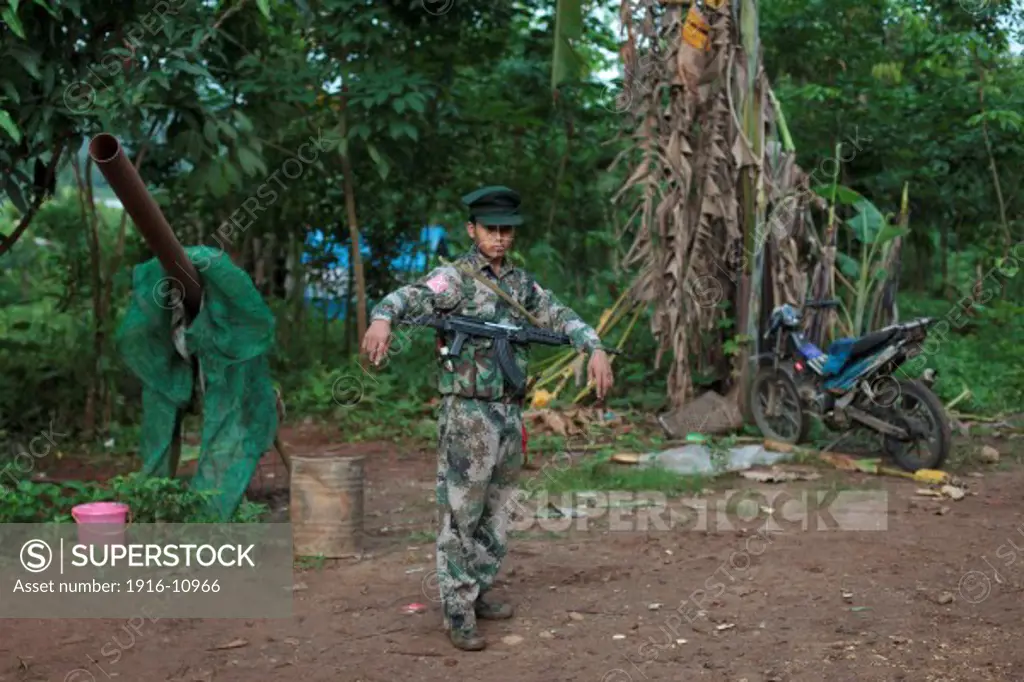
108	156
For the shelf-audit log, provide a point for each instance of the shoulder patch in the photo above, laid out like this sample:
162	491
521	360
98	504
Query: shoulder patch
438	283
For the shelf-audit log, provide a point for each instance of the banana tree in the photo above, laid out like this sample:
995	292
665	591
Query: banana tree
565	62
864	274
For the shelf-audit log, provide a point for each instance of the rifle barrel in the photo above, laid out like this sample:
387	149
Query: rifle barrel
520	334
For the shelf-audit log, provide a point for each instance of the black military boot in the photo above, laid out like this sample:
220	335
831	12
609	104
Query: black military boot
467	639
489	610
465	636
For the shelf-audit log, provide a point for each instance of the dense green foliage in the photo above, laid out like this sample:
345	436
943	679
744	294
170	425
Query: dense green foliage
217	99
899	83
151	500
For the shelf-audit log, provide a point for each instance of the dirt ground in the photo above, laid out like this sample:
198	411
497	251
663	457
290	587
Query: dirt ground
935	596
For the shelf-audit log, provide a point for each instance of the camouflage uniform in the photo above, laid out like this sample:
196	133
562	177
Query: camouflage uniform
480	422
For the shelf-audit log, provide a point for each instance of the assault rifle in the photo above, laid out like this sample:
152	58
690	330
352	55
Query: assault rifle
503	334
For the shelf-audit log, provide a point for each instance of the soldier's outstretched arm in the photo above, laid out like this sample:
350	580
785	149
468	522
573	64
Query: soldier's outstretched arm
552	313
549	311
438	289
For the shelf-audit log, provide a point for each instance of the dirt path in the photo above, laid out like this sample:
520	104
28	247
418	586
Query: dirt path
804	606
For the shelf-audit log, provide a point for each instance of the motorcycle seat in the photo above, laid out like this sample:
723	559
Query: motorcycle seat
869	343
843	351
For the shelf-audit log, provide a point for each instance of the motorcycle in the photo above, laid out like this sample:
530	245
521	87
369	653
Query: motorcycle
852	384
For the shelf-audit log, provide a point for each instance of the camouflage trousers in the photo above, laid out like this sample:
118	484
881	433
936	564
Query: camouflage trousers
480	453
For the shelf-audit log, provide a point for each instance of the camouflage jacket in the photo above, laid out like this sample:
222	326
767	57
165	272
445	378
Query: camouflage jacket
476	374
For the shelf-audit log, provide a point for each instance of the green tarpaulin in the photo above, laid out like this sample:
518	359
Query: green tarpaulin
230	337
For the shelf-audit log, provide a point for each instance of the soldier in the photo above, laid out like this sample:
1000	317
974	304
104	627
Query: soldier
480	421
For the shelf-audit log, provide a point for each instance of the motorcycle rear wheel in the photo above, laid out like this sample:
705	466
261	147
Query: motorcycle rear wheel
774	392
939	440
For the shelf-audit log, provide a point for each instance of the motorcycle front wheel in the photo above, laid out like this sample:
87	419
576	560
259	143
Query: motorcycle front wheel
776	407
919	411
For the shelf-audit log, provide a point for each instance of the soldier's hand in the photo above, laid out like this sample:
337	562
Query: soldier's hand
376	340
599	372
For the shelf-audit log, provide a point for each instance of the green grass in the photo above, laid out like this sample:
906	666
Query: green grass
310	563
599	474
982	355
422	537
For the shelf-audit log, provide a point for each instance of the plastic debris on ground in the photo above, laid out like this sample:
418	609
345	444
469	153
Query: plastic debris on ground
953	492
698	459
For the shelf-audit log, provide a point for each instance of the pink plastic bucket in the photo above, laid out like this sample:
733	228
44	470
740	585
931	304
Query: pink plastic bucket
101	523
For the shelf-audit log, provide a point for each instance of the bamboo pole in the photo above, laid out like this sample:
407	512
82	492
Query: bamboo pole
603	326
563	368
557	367
590	386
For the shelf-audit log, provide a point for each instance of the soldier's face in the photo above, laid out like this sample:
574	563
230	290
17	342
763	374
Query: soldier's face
493	241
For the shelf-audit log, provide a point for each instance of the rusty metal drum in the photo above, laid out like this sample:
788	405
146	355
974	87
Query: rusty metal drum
327	504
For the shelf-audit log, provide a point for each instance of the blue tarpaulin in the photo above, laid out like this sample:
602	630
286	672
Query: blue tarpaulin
411	260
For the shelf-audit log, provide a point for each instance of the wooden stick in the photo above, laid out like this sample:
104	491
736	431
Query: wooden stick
960	398
622	342
415	653
562	367
285	457
975	417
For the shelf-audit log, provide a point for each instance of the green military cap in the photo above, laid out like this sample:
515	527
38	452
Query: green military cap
495	205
